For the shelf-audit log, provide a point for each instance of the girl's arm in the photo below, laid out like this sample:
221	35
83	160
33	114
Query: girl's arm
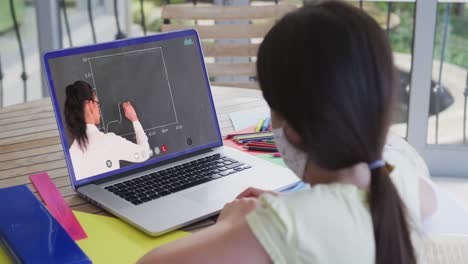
230	240
427	197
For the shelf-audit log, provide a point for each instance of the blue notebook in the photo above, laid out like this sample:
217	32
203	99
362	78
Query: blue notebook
30	234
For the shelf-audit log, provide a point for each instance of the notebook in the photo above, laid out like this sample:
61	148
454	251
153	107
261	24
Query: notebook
30	234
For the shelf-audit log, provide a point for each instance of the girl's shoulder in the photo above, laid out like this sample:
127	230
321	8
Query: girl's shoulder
332	199
308	226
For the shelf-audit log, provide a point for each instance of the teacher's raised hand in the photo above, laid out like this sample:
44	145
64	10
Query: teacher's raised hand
129	111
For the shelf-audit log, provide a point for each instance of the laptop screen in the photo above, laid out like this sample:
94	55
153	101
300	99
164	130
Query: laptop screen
131	103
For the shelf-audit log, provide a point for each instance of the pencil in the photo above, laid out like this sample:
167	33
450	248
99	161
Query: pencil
252	136
260	144
238	134
266	149
246	134
251	140
266	124
259	126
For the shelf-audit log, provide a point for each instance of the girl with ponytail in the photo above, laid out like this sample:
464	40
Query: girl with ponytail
327	73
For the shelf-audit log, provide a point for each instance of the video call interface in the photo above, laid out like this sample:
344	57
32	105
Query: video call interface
164	81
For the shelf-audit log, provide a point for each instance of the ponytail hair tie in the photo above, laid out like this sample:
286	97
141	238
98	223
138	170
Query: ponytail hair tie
377	164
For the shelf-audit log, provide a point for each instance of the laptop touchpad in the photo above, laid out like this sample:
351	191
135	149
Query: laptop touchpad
213	194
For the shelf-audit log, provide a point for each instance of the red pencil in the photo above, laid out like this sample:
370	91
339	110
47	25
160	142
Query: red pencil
228	136
261	144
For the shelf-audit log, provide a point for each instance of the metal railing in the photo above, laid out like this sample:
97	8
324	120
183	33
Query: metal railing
23	76
91	20
142	17
67	23
439	88
465	94
1	82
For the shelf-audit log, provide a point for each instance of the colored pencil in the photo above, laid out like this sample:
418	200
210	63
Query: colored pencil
251	136
251	140
266	124
260	122
262	149
229	136
260	144
259	135
276	155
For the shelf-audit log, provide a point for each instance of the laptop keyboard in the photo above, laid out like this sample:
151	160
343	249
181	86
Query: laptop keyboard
158	184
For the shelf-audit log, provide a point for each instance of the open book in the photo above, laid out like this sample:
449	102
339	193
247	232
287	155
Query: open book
446	249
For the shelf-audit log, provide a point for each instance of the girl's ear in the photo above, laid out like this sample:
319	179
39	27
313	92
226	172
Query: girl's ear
88	110
88	105
292	135
276	120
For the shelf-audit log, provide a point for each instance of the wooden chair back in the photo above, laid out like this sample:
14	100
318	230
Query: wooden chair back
260	20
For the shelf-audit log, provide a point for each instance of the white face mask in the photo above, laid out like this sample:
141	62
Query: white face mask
294	158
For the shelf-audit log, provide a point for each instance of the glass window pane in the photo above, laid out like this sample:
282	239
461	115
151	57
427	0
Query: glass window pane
397	19
447	110
77	30
13	89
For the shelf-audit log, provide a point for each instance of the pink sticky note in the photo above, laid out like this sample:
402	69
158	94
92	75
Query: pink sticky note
57	205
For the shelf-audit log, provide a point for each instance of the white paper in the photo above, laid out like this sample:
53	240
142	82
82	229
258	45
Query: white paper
244	119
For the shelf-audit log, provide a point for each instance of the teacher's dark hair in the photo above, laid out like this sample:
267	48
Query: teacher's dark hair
76	96
328	70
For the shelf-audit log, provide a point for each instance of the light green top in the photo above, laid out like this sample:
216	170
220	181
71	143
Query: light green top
331	223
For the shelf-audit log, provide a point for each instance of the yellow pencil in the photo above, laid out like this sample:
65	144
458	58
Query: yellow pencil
258	128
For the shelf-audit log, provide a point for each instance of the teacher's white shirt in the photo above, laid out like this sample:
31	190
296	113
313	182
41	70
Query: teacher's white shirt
104	151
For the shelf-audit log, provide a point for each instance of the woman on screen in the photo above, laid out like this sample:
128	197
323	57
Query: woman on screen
92	151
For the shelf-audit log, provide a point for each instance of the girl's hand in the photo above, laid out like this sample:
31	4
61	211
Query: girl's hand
129	111
235	211
254	193
230	240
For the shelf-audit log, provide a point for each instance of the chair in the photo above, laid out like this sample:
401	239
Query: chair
260	20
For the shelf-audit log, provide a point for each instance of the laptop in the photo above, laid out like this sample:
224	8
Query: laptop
173	169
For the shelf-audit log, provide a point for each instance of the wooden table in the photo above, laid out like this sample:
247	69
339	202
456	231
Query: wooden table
30	143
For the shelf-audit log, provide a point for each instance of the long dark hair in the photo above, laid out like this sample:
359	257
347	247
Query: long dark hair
328	70
77	94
